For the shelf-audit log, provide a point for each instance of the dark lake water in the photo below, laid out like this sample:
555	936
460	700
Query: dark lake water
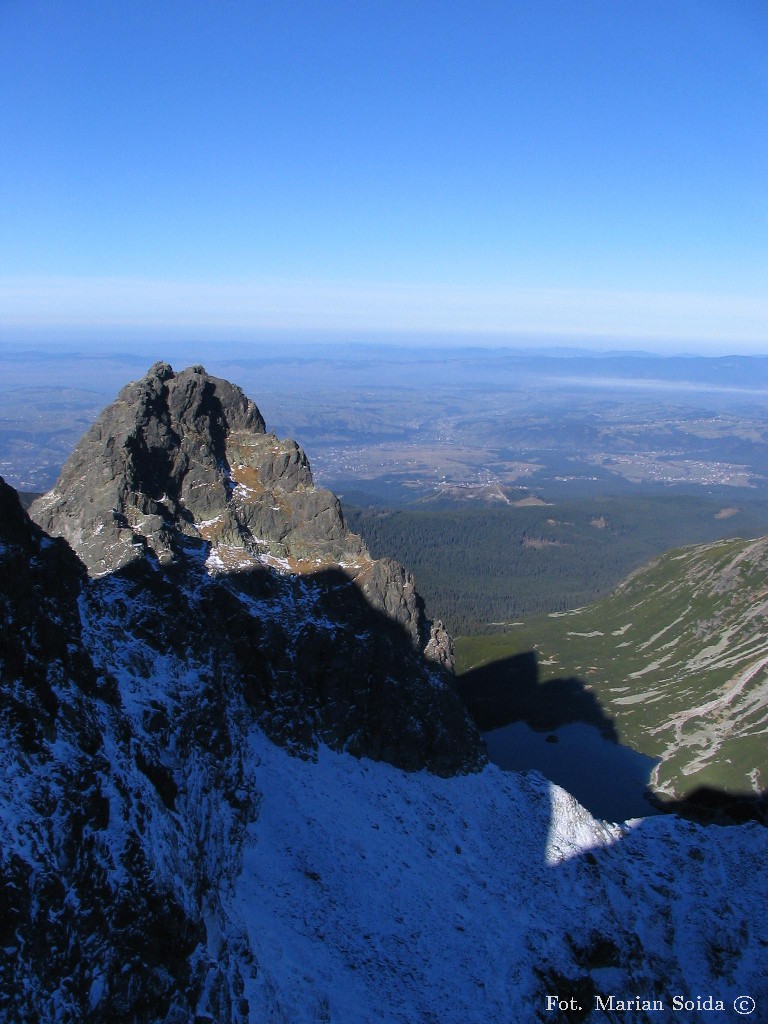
608	779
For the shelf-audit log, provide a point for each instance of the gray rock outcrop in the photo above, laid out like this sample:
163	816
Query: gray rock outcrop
179	485
182	457
187	455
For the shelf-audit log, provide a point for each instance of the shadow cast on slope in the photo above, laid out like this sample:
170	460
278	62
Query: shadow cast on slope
710	806
696	892
510	690
141	934
316	661
511	706
581	751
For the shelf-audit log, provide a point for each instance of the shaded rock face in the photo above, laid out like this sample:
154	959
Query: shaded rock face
178	488
188	455
107	910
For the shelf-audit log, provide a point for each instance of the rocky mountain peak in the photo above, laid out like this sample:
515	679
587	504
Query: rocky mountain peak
162	857
187	455
181	465
178	487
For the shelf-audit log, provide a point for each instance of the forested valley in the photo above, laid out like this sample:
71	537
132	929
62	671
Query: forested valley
481	569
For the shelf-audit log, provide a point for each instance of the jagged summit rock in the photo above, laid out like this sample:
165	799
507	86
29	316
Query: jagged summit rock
186	455
184	458
179	487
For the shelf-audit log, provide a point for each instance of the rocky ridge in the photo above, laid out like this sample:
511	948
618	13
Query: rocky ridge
219	591
107	903
162	862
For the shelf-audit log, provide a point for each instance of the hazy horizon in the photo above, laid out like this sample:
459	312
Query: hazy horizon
169	343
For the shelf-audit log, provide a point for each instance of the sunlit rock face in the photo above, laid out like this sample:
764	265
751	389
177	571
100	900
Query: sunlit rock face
187	455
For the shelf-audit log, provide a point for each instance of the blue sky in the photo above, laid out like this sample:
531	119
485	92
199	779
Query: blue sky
586	170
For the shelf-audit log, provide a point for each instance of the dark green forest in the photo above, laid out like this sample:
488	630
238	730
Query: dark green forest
479	569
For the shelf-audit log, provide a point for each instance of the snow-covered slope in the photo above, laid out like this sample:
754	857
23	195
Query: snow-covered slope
373	895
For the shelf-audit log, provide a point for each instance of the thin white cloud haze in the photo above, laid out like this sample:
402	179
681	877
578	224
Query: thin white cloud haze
62	302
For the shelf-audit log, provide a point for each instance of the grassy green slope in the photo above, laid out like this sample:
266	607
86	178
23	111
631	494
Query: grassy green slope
677	655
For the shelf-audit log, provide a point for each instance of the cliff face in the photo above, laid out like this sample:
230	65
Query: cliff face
212	590
182	456
106	896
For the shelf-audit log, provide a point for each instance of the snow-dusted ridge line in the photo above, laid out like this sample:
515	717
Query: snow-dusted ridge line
331	888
